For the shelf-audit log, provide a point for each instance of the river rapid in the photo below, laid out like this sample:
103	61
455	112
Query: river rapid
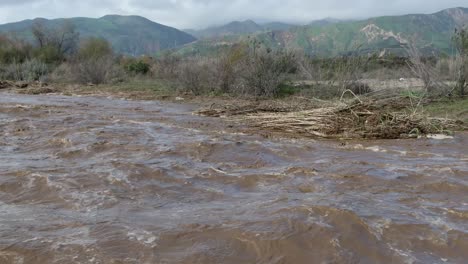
102	180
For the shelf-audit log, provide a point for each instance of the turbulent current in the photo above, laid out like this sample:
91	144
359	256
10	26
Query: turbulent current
100	180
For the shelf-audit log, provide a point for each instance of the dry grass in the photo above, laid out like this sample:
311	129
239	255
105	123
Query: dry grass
449	108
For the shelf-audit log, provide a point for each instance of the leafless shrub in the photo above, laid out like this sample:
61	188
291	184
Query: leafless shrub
349	72
64	38
443	68
229	67
226	73
166	66
460	40
266	70
196	76
333	76
96	71
433	86
61	74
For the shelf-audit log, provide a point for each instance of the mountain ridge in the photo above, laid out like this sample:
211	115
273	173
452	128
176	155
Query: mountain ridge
133	35
428	32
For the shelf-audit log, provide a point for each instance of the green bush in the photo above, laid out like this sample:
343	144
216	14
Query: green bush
48	55
94	48
94	63
138	67
10	55
285	90
13	50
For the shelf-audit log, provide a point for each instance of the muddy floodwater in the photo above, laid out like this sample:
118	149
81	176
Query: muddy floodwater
99	180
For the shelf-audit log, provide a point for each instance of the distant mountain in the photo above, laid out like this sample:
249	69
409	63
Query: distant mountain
233	28
275	26
429	32
238	28
132	35
325	21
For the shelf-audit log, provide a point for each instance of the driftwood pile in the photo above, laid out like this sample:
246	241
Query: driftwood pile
27	87
9	84
389	119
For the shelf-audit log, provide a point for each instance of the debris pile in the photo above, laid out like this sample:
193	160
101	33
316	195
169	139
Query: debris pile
386	119
28	87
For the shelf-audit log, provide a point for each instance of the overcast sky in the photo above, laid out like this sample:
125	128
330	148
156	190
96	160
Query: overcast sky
203	13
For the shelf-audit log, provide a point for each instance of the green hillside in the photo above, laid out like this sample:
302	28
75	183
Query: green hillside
132	35
430	33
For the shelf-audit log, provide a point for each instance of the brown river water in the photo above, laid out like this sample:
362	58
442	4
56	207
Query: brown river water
100	180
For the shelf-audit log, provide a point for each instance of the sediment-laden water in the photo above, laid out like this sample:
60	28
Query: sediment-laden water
98	180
